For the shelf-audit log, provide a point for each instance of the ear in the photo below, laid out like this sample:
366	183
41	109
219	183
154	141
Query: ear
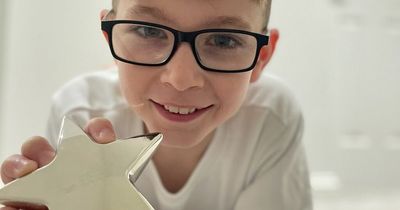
103	15
265	56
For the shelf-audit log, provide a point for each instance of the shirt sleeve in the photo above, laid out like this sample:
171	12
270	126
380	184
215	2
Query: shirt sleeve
66	102
282	181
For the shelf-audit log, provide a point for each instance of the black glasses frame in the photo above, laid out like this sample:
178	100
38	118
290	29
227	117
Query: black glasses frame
180	36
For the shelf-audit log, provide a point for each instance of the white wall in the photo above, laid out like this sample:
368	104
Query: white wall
366	92
2	50
342	59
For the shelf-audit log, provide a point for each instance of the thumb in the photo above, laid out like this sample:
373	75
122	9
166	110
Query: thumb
101	130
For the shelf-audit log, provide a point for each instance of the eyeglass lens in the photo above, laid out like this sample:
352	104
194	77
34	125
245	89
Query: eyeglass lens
152	45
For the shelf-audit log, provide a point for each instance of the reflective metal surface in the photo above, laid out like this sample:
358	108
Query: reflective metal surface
86	175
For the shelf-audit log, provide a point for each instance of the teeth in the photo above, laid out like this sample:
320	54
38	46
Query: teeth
178	110
183	111
173	109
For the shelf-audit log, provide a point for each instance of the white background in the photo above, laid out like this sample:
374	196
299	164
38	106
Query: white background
340	57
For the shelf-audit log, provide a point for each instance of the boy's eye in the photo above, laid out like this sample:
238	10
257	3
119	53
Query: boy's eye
150	32
225	41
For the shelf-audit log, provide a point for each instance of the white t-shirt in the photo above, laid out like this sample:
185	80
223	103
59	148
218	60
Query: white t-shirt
255	160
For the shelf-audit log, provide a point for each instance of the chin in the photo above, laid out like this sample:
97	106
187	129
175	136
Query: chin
180	141
184	137
176	145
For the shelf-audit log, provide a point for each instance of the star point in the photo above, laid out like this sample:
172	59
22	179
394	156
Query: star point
86	175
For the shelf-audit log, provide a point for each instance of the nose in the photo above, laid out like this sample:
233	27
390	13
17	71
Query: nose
182	71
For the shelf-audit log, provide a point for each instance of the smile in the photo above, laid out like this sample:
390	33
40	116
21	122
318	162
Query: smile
179	110
180	114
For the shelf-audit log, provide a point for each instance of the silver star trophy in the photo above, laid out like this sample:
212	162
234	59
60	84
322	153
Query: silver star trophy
86	175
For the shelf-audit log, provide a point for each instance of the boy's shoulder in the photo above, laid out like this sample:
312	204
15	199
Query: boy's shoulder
97	90
271	94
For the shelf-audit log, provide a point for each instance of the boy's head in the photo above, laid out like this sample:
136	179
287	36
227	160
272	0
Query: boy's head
180	97
264	4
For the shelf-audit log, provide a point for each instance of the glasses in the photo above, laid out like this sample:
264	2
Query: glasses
150	44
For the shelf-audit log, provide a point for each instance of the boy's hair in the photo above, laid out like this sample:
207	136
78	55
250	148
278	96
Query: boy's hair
266	4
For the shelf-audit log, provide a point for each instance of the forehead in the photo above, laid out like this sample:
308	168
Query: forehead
195	14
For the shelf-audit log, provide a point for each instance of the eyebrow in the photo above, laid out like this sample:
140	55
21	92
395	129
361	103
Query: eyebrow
228	20
150	11
214	22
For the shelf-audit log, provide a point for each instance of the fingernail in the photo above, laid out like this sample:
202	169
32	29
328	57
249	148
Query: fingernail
21	167
106	134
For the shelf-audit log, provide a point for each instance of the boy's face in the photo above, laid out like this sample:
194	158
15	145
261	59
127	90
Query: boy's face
181	84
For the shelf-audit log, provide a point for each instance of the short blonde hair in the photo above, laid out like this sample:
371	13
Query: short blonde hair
266	4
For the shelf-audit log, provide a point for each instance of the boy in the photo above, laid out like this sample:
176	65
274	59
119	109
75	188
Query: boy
232	136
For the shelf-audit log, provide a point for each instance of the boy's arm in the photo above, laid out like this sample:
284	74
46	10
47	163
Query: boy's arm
282	182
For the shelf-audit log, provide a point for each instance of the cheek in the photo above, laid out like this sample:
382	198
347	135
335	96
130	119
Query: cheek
232	92
132	83
235	95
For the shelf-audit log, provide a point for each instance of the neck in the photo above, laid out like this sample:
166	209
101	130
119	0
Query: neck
175	165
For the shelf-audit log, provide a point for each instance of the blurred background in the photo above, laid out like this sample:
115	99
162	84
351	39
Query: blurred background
340	57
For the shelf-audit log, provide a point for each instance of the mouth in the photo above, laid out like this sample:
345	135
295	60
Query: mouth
180	113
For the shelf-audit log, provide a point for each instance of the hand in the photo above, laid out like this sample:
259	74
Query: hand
36	152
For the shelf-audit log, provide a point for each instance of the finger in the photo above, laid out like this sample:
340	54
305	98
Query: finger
101	130
7	208
38	149
23	206
16	166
